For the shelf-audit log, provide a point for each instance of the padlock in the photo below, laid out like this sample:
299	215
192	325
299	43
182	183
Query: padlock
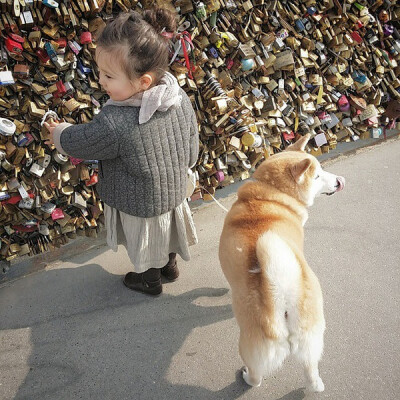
259	63
7	127
85	38
6	78
344	104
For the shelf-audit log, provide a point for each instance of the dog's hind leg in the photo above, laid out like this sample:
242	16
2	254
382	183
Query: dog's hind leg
261	357
309	353
253	370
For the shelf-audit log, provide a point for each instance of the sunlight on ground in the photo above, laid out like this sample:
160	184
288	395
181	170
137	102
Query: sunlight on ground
16	348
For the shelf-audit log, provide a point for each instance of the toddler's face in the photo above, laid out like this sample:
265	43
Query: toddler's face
113	78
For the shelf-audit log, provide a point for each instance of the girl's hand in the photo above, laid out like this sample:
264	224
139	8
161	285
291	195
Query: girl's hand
50	127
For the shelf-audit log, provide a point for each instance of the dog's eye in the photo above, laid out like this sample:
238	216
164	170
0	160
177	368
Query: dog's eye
317	177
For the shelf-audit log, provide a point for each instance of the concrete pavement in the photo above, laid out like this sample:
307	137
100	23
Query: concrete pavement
74	331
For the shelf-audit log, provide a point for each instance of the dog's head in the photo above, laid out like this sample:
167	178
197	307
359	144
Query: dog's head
298	174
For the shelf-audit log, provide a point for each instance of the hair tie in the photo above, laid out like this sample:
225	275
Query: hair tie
168	35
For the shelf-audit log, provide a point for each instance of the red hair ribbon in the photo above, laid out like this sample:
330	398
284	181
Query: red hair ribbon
168	35
185	36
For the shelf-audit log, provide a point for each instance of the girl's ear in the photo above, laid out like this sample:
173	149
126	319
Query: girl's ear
146	81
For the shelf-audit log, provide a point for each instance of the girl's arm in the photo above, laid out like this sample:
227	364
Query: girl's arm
194	140
96	140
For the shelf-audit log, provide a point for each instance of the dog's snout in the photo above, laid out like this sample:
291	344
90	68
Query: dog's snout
340	183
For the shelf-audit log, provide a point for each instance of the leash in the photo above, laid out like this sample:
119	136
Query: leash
218	203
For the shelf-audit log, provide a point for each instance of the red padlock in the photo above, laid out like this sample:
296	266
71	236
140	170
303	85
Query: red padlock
57	214
344	104
356	37
229	63
23	228
75	161
61	90
43	56
359	24
86	38
17	38
288	135
62	43
30	139
12	46
93	179
16	199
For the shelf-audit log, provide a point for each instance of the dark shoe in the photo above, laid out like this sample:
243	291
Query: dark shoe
148	282
171	271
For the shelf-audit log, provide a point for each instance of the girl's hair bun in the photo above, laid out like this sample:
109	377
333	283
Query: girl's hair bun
160	19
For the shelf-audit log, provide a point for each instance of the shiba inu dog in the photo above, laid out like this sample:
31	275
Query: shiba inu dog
276	297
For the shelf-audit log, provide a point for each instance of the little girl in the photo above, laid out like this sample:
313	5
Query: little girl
145	138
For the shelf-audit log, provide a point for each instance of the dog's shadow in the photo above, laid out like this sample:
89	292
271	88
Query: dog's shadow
297	394
92	338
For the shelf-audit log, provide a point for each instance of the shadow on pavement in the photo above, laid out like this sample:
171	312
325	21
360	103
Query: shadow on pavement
294	395
92	338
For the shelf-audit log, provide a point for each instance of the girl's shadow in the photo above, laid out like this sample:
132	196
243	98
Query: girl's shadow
92	338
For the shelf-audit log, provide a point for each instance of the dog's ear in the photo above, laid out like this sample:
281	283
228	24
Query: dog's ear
299	169
300	145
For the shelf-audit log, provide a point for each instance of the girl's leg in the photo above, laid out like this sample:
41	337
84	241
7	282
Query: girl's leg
170	271
148	282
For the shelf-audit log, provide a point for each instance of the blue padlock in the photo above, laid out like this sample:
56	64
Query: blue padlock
4	196
214	53
22	140
50	3
311	10
50	50
299	25
310	87
83	69
248	64
359	77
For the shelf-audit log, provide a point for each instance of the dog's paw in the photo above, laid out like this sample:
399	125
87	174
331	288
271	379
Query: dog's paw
316	386
249	379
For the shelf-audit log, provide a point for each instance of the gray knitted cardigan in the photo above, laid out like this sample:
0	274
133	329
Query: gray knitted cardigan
142	168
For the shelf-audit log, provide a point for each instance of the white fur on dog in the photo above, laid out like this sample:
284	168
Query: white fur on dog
284	274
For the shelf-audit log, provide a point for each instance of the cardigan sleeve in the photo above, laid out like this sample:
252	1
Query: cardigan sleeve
96	140
194	140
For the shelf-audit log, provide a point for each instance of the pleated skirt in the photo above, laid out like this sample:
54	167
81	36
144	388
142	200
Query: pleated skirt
149	241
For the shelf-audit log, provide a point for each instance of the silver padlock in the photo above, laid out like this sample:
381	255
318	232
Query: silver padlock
44	229
59	158
48	208
22	191
309	121
36	170
347	122
7	127
323	58
246	164
26	203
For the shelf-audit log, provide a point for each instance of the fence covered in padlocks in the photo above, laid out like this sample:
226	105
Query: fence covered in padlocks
258	73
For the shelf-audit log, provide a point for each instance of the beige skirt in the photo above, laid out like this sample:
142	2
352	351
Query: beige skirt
149	241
